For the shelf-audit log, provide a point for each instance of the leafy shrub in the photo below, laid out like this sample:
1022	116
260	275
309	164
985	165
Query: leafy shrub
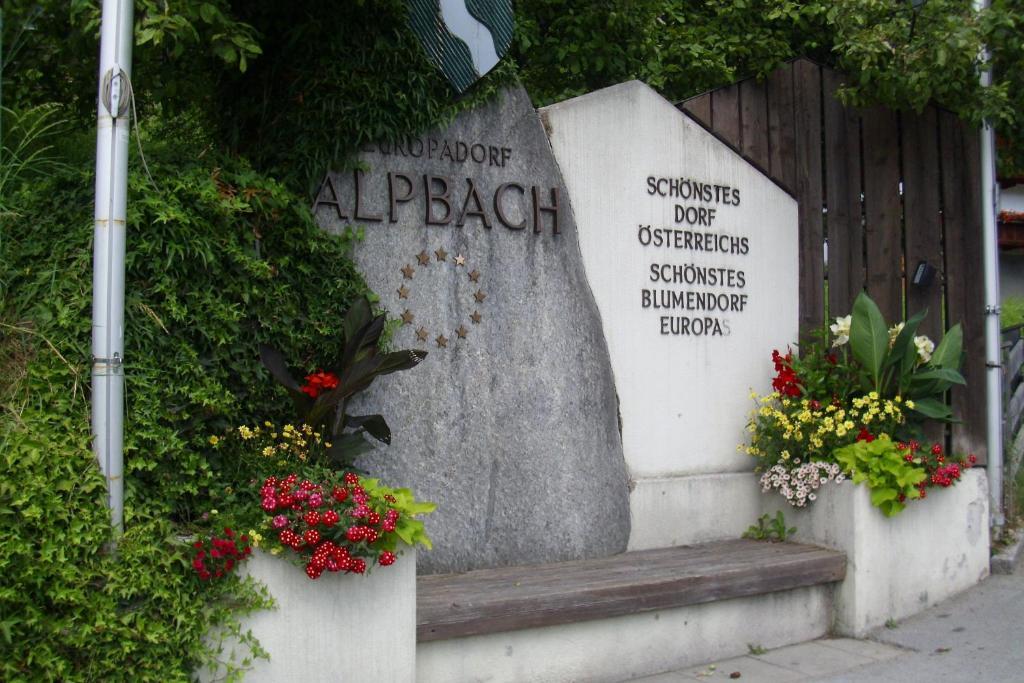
892	479
219	259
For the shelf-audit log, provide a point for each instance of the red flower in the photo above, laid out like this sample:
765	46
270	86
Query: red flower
318	382
786	382
865	435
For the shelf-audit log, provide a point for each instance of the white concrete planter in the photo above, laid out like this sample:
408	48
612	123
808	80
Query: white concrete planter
340	627
897	566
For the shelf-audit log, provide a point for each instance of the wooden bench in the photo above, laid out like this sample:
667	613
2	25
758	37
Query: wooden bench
512	598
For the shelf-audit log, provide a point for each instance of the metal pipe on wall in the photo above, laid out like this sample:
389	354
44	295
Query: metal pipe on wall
112	134
993	355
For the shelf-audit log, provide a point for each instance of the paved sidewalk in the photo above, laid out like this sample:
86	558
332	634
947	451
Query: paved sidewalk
975	637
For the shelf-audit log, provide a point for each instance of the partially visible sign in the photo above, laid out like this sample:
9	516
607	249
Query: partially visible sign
464	38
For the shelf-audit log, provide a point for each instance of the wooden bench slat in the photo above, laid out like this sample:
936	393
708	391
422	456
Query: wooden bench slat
511	598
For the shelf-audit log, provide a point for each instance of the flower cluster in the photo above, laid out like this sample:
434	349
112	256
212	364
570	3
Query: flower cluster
798	486
339	526
216	557
845	402
943	470
796	431
786	381
319	382
275	447
841	330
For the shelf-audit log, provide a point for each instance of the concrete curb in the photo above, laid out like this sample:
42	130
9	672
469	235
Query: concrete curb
1007	558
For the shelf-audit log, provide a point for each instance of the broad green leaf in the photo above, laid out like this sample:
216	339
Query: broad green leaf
879	496
903	351
208	12
945	375
948	353
869	337
929	407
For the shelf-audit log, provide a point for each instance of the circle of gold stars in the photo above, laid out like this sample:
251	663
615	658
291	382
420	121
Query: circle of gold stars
423	260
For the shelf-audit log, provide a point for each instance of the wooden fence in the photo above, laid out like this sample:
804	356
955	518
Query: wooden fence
879	192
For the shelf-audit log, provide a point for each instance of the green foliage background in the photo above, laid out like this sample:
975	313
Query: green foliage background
243	105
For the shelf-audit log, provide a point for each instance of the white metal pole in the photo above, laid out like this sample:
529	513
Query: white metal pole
993	356
112	129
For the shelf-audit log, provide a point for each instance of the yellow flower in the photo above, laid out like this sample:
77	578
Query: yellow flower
910	404
214	439
255	537
268	451
784	455
268	423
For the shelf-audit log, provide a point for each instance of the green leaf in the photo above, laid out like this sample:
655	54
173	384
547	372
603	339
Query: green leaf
881	495
947	376
949	351
933	408
869	337
903	355
208	12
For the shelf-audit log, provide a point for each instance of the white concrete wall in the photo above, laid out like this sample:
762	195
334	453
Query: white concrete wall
673	511
337	628
897	566
684	399
612	650
1012	198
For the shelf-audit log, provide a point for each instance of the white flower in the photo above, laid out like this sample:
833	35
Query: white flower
925	347
894	332
812	497
841	330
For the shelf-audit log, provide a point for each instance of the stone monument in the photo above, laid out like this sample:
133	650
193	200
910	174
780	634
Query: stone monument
691	253
511	422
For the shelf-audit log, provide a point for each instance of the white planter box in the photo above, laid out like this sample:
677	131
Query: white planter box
340	627
897	566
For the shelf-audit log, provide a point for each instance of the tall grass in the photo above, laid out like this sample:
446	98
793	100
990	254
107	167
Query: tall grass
27	148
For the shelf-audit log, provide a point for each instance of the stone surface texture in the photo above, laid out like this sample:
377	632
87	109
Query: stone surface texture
898	566
513	429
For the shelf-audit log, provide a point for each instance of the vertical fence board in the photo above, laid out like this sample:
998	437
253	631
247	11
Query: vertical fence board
807	118
882	209
725	114
754	122
922	214
969	435
842	193
794	127
781	137
964	303
700	108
